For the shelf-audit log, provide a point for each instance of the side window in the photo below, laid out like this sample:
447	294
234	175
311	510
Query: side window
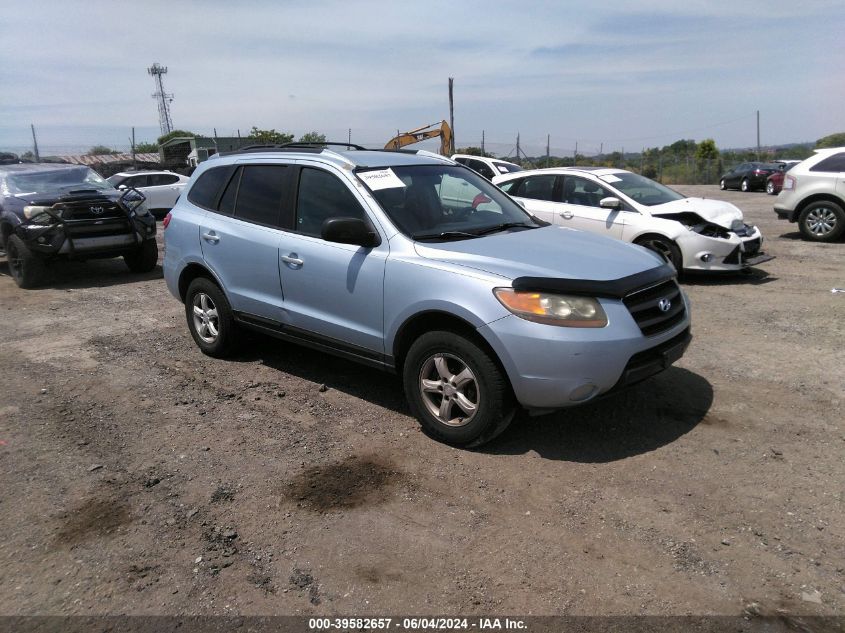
260	194
835	163
205	190
537	188
227	200
138	181
157	180
482	168
511	185
323	196
582	191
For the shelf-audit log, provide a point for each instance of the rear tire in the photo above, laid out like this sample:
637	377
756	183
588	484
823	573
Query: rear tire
144	259
25	267
744	185
822	221
456	390
664	247
210	318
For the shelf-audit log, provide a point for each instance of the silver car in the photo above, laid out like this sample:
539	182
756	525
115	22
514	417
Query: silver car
414	264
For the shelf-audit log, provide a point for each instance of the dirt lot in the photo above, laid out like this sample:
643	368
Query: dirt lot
138	476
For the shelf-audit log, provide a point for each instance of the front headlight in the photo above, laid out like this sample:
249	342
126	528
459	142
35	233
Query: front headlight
39	214
552	309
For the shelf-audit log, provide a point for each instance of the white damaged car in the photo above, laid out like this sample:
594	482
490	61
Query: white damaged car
694	234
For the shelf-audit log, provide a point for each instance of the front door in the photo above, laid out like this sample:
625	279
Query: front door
334	291
580	207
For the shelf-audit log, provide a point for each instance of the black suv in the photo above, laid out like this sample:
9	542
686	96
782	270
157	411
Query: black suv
50	212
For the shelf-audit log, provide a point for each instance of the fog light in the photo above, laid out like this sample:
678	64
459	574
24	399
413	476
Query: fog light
42	240
584	392
707	257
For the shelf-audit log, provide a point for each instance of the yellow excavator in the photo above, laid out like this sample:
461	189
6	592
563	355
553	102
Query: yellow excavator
423	133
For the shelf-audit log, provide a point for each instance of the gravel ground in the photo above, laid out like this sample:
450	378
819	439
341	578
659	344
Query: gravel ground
138	476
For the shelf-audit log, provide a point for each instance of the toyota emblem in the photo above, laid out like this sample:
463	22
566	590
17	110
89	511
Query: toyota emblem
96	210
664	304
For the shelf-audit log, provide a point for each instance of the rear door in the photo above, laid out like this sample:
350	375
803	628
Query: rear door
240	238
162	191
538	194
333	292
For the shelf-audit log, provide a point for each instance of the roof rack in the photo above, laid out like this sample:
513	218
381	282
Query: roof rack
311	147
321	144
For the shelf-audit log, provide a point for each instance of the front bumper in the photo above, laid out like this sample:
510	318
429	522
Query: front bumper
702	253
85	239
553	367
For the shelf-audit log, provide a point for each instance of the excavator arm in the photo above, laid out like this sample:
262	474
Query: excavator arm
423	133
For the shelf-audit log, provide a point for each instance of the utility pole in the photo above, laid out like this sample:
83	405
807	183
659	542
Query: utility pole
452	114
517	146
163	99
35	144
601	148
575	155
758	135
239	138
349	137
483	152
548	155
133	147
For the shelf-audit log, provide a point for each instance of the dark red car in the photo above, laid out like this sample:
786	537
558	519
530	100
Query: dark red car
774	183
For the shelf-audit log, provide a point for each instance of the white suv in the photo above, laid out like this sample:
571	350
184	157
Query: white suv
486	166
813	195
160	188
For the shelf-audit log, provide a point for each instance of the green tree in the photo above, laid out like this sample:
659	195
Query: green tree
174	134
146	148
831	140
269	137
706	150
474	151
100	149
312	137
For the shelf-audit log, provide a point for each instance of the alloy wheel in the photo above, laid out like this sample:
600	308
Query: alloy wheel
449	389
821	221
206	321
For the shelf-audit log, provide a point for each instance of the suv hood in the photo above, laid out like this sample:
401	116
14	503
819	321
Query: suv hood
551	251
67	195
715	211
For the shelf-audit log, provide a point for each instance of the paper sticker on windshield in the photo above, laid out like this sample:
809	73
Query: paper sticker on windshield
381	179
610	178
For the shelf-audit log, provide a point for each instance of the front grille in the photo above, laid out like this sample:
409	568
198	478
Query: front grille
644	306
109	226
91	210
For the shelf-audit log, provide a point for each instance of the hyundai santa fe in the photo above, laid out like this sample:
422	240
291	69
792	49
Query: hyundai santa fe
412	263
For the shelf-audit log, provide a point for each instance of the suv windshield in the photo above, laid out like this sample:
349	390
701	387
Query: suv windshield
61	179
641	189
443	201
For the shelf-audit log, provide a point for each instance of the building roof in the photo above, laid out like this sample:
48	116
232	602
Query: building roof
100	159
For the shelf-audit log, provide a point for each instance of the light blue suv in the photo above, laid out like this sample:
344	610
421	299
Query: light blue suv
412	263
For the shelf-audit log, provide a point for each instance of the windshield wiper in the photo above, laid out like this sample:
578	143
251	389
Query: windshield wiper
503	226
444	234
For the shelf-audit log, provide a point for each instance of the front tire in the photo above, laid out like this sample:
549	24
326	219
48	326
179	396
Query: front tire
210	318
770	188
664	247
745	186
25	267
822	221
456	390
144	259
722	184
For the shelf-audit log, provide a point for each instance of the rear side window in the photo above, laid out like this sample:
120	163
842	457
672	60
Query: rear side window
157	180
511	185
323	196
835	163
481	167
205	190
260	194
227	200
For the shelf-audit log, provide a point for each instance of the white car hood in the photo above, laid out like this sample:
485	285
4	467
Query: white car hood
715	211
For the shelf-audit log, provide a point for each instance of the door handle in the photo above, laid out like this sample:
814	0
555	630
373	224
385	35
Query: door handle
210	237
566	215
291	259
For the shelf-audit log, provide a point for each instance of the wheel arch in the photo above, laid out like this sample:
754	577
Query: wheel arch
818	197
193	271
433	320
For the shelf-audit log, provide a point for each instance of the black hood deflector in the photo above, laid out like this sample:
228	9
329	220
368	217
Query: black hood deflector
611	289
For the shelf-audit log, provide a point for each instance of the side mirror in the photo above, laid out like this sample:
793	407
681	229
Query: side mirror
520	202
121	187
349	231
610	202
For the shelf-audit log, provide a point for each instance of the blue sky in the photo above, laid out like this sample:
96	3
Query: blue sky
608	75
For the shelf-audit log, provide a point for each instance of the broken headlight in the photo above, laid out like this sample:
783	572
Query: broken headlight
40	214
